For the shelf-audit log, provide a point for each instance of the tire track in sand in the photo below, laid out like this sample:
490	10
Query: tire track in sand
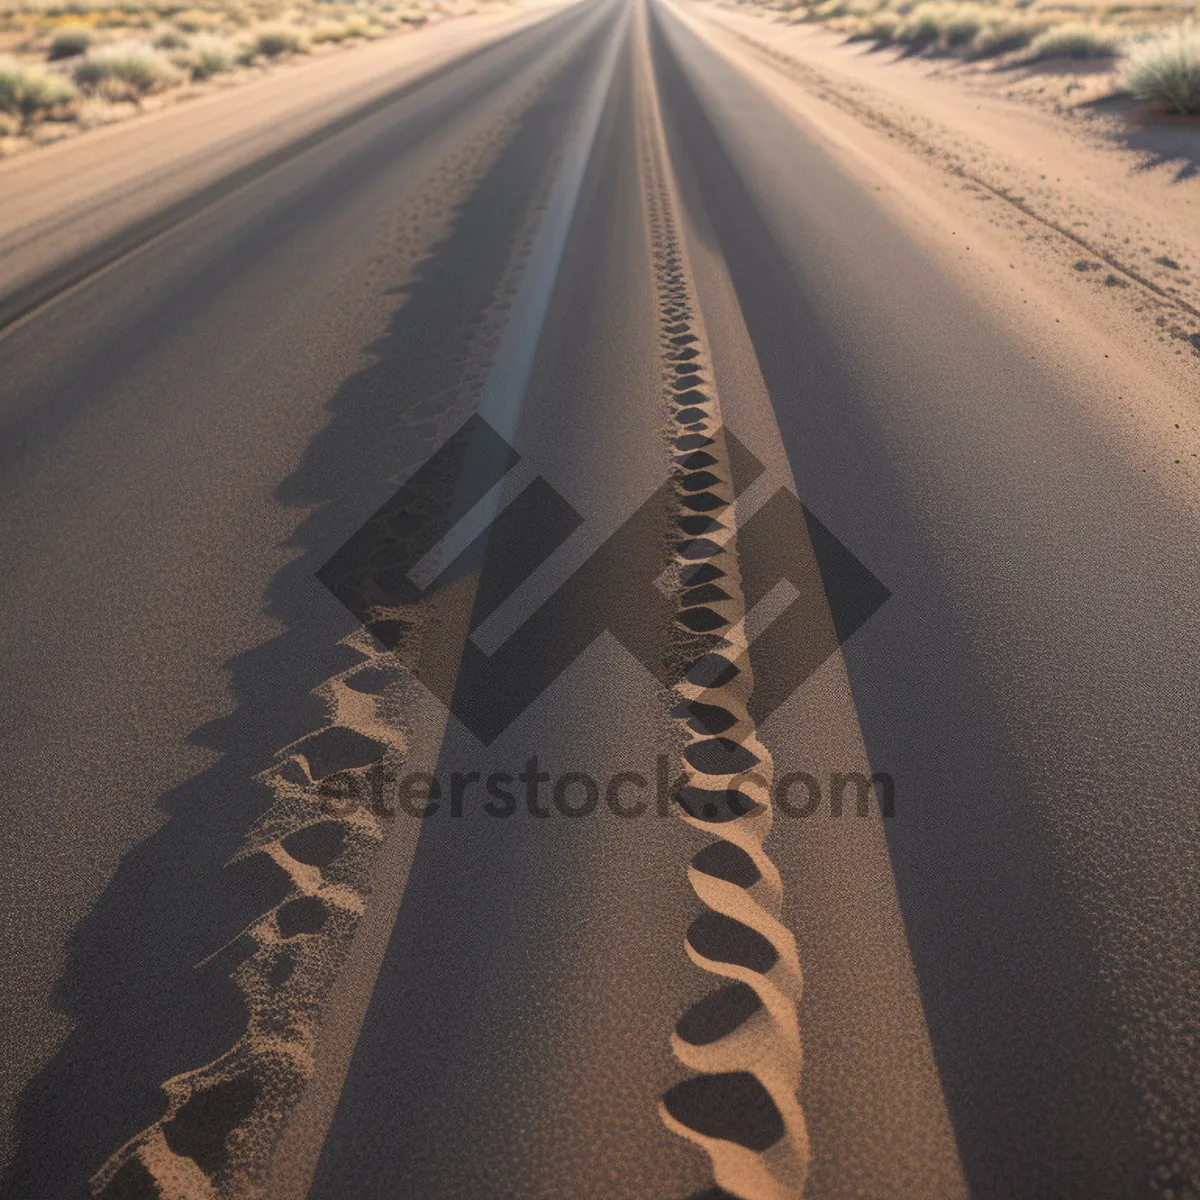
743	1039
223	1120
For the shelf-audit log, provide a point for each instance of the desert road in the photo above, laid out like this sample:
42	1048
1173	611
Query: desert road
573	628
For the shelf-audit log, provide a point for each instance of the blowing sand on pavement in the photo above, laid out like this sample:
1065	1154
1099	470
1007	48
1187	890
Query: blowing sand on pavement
600	600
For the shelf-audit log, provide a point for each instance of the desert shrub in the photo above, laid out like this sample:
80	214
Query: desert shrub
131	66
1003	36
12	82
831	11
170	39
1167	68
961	24
210	56
881	28
30	90
273	41
922	27
69	41
354	27
1076	40
196	20
329	33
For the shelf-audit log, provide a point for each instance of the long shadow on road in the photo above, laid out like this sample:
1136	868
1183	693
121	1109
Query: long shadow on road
146	999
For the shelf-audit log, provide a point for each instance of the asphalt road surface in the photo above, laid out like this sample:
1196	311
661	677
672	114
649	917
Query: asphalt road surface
647	444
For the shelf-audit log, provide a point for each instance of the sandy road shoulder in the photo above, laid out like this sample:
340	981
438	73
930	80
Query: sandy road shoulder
1122	227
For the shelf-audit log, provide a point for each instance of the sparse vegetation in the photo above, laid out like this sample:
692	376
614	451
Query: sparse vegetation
880	28
963	24
329	31
272	41
1077	40
356	27
170	39
1027	31
29	90
105	55
922	27
210	56
1166	68
197	20
125	68
69	41
1005	35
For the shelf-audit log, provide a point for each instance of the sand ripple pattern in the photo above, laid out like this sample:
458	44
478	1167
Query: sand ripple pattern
743	1038
222	1120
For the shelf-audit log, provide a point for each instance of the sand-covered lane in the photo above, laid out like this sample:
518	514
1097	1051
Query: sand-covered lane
607	1005
517	1042
1103	195
188	438
1004	456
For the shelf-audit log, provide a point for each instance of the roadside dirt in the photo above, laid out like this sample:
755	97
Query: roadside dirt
1077	226
1119	180
101	108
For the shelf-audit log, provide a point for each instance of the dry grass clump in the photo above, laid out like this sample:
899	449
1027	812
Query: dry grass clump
125	69
880	27
1077	40
972	30
963	23
1004	35
950	27
830	9
922	27
328	31
28	90
271	41
207	56
355	27
1166	68
198	20
69	41
170	39
1018	30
